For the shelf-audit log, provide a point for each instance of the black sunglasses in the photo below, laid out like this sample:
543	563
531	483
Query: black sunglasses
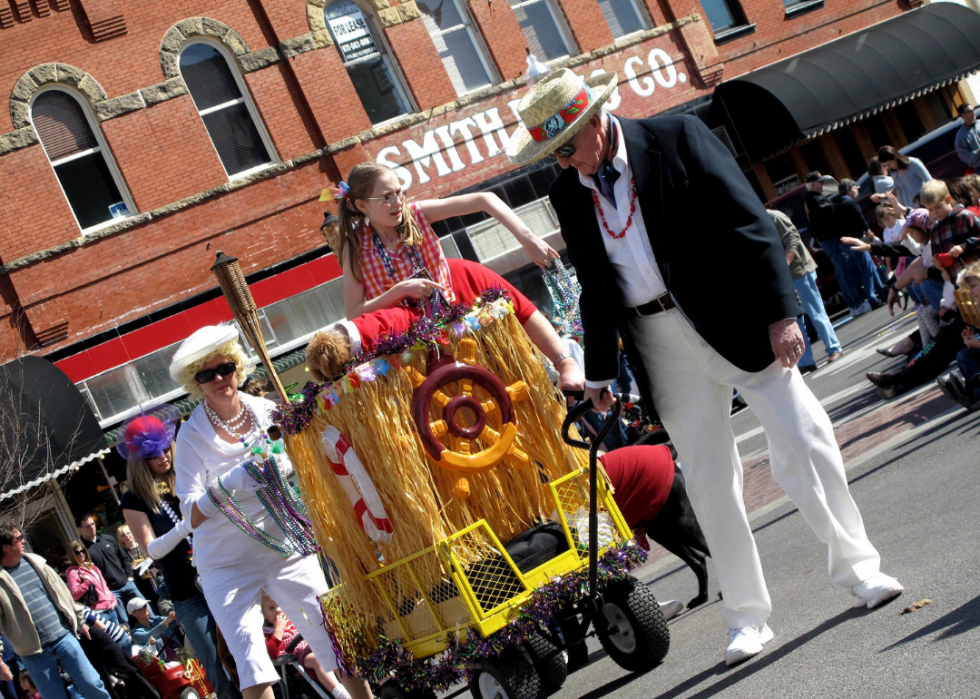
566	151
79	552
207	375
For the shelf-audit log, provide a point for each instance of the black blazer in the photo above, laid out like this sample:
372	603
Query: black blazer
718	251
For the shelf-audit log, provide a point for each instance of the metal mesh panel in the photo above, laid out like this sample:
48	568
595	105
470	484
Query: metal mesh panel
491	577
573	499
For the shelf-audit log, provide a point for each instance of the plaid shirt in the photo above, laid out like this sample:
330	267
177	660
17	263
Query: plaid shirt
961	227
376	279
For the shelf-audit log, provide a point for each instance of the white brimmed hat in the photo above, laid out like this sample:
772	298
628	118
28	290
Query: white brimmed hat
199	345
554	110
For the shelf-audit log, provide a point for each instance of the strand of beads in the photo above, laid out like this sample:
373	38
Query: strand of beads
231	427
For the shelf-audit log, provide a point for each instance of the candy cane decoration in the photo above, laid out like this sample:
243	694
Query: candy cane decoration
357	484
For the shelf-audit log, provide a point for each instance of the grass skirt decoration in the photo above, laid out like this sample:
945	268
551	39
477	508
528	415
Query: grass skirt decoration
371	406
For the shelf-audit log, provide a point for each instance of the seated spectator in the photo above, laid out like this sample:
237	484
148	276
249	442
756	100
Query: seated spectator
114	631
964	193
144	582
149	629
965	388
86	582
29	691
282	637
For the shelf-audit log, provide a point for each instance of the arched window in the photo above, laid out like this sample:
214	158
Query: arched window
83	164
223	101
623	17
451	29
364	54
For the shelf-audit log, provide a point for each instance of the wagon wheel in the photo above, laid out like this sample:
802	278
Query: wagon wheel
430	392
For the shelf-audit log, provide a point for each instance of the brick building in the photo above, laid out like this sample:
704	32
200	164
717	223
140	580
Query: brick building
142	138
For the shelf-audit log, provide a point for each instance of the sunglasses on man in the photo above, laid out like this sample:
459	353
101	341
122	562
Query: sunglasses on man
566	151
207	375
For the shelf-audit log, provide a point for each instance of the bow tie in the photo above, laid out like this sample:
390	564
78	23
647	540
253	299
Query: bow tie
606	179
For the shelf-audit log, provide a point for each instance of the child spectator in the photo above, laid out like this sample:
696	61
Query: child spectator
27	686
282	636
892	231
965	390
150	629
113	630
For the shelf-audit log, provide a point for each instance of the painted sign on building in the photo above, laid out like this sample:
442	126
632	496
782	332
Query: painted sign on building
471	143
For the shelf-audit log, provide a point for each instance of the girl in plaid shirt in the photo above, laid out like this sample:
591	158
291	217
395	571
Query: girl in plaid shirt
388	249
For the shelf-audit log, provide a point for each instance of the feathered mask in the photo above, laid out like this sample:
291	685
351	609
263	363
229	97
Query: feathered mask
339	192
149	435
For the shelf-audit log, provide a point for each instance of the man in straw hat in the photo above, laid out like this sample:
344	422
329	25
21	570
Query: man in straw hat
631	203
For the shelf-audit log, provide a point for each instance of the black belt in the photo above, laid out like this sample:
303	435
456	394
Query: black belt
661	303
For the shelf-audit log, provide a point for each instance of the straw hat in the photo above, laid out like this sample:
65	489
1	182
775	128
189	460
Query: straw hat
554	110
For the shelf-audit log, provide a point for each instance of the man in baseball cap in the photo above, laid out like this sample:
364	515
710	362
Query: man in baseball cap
647	209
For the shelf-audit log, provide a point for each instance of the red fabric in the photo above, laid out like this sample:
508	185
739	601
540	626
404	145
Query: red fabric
376	279
642	477
469	280
277	647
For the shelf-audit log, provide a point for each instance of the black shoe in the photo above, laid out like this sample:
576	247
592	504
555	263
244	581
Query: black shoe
955	389
889	353
882	379
875	305
809	368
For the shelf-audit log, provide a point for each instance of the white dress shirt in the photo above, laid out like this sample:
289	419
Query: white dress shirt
631	255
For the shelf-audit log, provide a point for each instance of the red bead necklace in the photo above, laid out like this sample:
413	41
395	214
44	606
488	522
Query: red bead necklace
629	221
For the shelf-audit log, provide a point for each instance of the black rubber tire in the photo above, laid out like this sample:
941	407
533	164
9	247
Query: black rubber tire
549	661
189	693
514	671
639	616
391	690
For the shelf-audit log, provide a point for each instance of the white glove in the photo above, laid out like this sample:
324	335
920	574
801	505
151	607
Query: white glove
238	479
163	545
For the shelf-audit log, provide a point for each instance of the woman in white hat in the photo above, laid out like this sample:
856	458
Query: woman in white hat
239	550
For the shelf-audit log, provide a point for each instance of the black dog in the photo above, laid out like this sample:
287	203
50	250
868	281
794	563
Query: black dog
639	475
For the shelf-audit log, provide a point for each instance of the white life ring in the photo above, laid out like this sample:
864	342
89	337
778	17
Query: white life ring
357	484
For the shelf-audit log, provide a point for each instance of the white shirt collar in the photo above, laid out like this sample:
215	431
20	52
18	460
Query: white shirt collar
619	158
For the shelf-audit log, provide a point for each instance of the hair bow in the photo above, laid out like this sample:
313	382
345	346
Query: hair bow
338	192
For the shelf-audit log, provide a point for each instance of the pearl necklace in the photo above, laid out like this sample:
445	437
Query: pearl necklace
232	426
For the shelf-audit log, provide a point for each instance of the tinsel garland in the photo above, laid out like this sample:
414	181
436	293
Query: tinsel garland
452	666
293	418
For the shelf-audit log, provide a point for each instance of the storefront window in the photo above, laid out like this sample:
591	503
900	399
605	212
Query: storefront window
366	59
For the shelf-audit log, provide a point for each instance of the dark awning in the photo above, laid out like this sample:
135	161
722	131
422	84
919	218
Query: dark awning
46	427
852	77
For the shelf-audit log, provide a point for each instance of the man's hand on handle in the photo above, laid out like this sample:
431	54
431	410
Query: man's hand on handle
787	342
602	398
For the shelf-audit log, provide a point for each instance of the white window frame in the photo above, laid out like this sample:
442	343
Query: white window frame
478	45
563	31
102	148
641	12
387	57
245	99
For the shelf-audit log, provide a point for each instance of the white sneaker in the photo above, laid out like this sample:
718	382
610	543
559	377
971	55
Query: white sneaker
875	590
865	307
671	608
746	642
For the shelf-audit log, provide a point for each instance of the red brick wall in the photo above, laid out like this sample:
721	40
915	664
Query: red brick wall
175	157
413	50
777	36
165	154
502	35
587	24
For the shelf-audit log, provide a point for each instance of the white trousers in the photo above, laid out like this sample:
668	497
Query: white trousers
692	391
234	595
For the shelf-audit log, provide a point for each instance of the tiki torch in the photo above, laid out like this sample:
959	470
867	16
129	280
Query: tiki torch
233	285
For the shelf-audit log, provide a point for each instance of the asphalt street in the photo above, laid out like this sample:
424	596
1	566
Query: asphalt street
913	470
